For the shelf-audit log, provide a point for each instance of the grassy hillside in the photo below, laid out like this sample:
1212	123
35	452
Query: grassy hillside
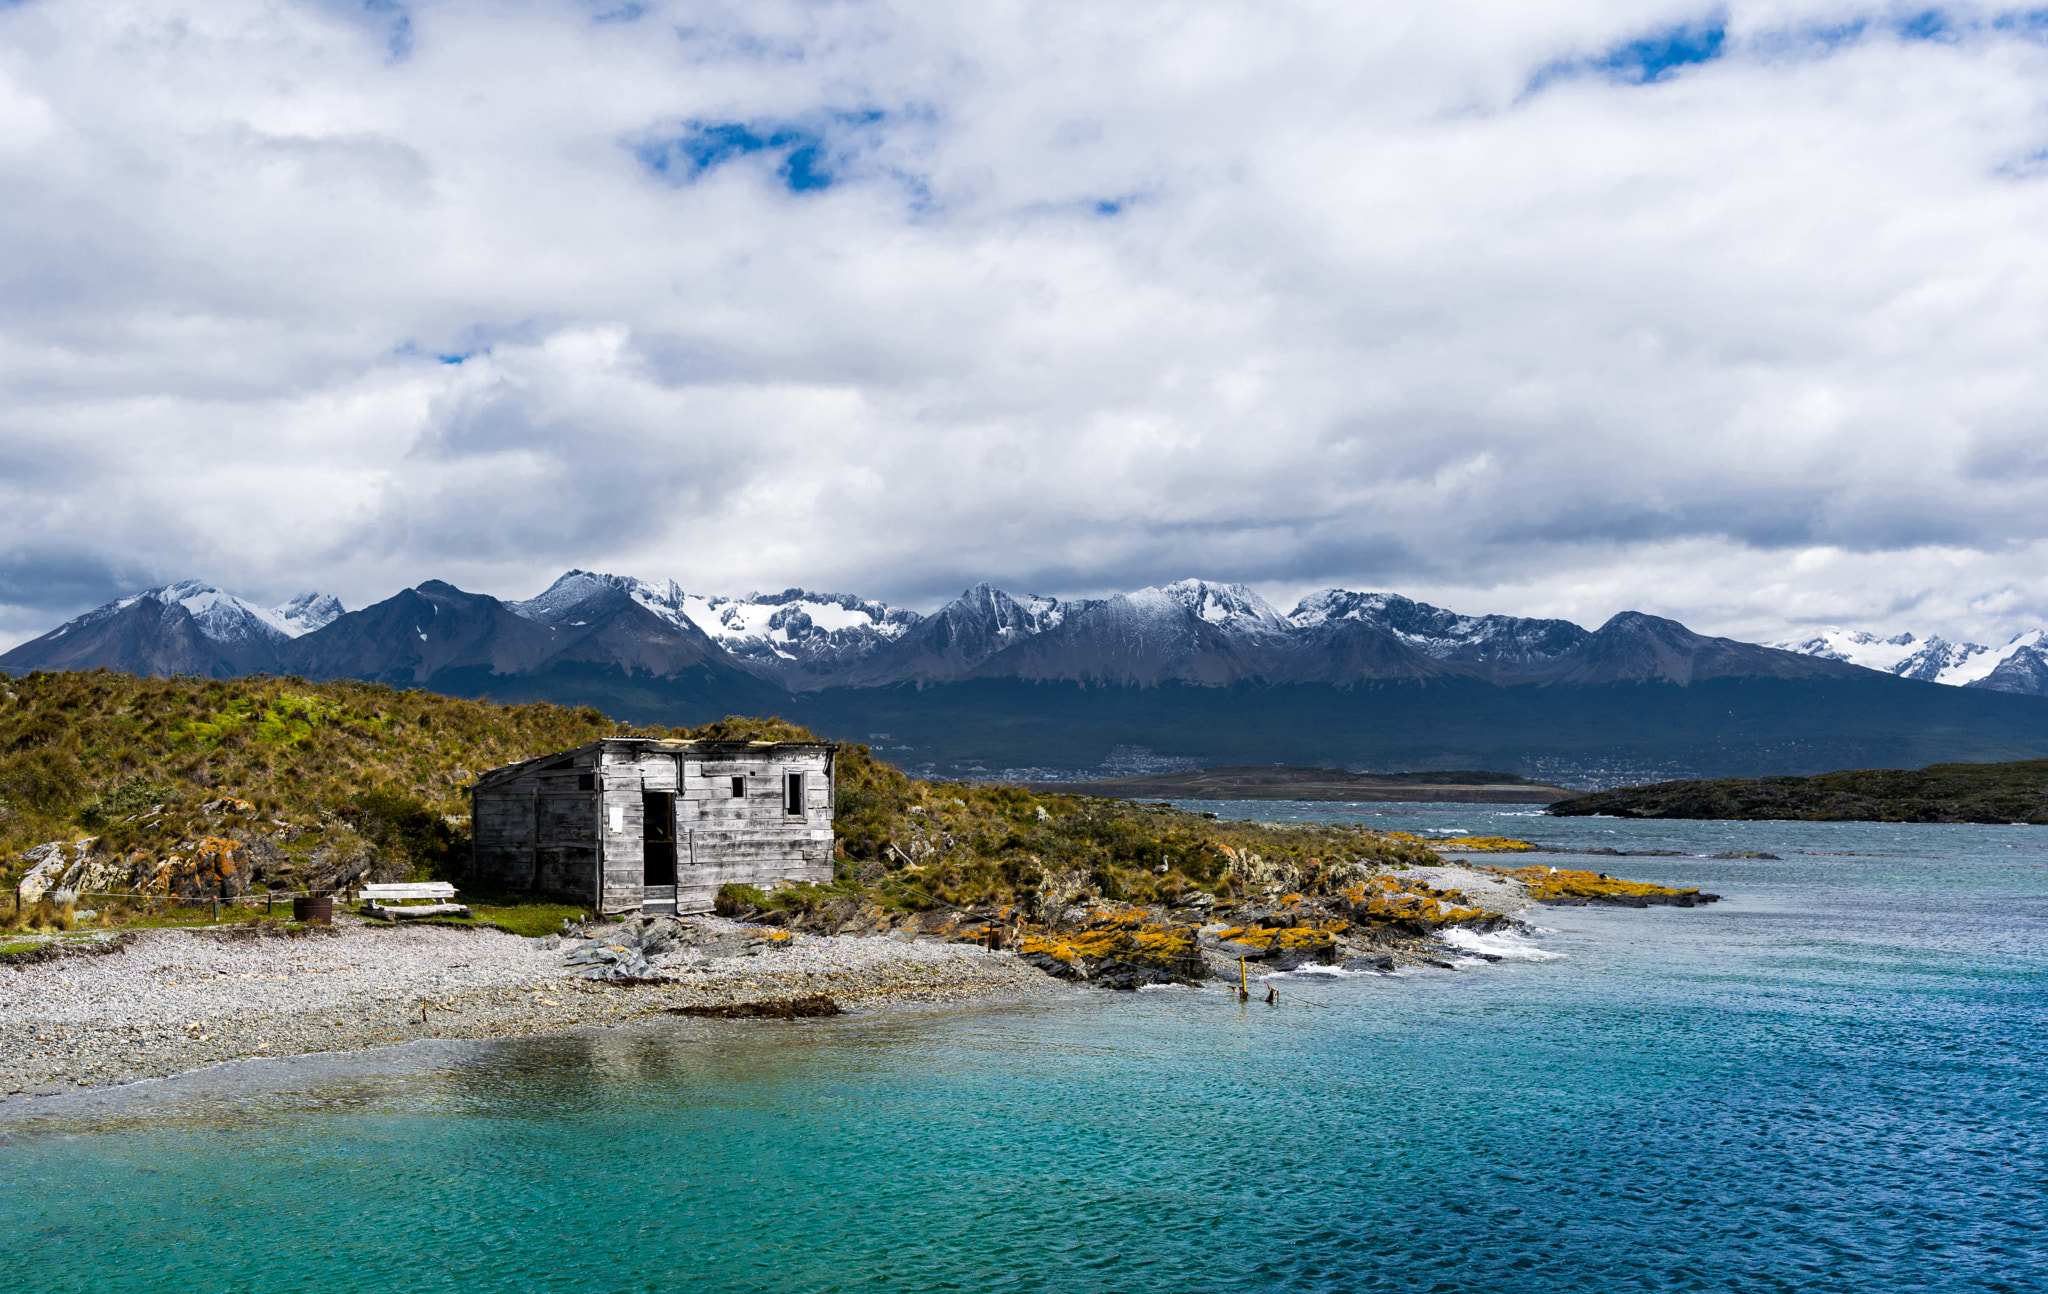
188	786
2008	792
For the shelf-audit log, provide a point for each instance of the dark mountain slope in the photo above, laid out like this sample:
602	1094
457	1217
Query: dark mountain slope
952	642
607	626
1637	648
145	637
1346	652
604	650
1719	726
1142	638
2025	672
408	638
1509	647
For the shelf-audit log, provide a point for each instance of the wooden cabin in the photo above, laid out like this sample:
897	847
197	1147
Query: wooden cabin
636	824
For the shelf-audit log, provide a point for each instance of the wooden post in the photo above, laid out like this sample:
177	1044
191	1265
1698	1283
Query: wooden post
1244	992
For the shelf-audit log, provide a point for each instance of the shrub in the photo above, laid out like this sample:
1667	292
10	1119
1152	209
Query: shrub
734	899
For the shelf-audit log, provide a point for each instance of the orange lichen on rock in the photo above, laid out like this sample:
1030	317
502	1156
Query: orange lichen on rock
217	867
1469	844
1395	901
1131	939
1547	884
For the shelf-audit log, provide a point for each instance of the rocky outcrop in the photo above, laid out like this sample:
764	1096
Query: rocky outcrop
1571	889
621	952
79	866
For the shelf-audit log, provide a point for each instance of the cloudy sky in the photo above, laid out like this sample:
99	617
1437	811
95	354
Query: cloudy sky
1731	313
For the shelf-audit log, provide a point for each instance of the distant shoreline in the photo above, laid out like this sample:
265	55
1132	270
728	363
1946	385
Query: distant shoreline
2012	792
1284	782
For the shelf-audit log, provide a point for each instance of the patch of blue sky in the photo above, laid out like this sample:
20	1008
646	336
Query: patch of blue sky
389	18
1661	54
808	156
629	12
413	350
1928	24
1651	57
475	341
2027	22
2033	166
1110	207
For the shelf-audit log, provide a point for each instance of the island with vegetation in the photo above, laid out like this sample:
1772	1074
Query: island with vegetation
2010	792
1287	782
154	832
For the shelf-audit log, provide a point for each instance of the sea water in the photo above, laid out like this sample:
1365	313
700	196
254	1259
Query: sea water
1833	1079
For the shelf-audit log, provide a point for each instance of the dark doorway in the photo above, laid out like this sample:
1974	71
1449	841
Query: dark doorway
659	844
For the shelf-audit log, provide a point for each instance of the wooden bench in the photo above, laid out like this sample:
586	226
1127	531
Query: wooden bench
438	893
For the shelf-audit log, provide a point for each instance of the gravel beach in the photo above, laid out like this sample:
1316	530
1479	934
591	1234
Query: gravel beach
179	1000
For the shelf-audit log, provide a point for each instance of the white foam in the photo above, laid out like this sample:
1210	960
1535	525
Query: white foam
1505	944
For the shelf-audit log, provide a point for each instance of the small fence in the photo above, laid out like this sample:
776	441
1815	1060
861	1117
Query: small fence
266	899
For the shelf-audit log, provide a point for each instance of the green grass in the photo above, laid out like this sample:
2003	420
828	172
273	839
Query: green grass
529	919
318	781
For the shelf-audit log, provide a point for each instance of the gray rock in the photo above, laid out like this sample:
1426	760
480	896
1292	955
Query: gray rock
1383	964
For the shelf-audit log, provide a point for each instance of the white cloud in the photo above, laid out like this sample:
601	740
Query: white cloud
1473	301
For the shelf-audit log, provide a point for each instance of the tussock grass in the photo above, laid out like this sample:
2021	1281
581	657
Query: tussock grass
344	778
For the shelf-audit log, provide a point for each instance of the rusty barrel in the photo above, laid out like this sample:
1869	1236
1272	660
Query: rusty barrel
317	910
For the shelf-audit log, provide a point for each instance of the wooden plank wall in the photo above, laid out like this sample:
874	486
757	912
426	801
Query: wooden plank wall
539	831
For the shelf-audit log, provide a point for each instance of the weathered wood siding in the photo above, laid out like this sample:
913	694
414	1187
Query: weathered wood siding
574	824
534	828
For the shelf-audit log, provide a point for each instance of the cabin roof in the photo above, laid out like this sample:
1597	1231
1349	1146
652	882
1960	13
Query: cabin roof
643	745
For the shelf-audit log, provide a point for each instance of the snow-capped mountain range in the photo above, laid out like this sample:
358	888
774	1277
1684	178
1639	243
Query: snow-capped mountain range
2019	666
227	619
1192	631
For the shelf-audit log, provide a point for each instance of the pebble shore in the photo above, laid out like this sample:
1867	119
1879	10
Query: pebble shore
181	1000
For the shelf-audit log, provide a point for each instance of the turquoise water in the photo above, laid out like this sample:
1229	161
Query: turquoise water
1832	1080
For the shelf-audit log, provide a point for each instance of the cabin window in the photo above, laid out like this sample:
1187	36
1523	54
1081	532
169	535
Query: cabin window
739	788
586	782
793	795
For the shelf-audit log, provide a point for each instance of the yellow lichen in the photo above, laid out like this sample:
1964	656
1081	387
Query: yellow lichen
1469	844
1551	883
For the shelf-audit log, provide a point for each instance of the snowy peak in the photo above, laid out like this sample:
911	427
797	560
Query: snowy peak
574	588
223	617
1228	606
189	627
956	639
309	611
794	633
234	621
795	617
1836	643
1929	660
1510	641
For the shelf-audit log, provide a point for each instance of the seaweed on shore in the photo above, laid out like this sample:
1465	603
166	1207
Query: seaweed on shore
781	1008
